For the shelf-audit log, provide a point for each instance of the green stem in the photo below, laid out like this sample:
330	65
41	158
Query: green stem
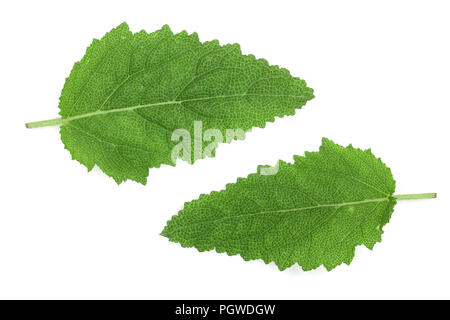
44	123
415	196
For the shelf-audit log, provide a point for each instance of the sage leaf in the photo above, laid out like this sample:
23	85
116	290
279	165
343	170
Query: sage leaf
312	212
124	100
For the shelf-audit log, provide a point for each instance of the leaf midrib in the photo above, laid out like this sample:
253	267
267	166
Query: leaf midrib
331	205
131	108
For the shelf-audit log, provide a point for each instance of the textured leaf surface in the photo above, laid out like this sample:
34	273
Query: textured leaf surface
312	212
124	99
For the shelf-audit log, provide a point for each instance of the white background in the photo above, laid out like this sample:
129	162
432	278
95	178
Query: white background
381	74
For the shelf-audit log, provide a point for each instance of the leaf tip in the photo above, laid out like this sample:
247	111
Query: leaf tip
164	233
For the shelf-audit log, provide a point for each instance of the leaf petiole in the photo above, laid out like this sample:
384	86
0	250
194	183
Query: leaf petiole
415	196
44	123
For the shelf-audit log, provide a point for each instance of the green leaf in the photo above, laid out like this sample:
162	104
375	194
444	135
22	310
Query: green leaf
313	212
123	100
